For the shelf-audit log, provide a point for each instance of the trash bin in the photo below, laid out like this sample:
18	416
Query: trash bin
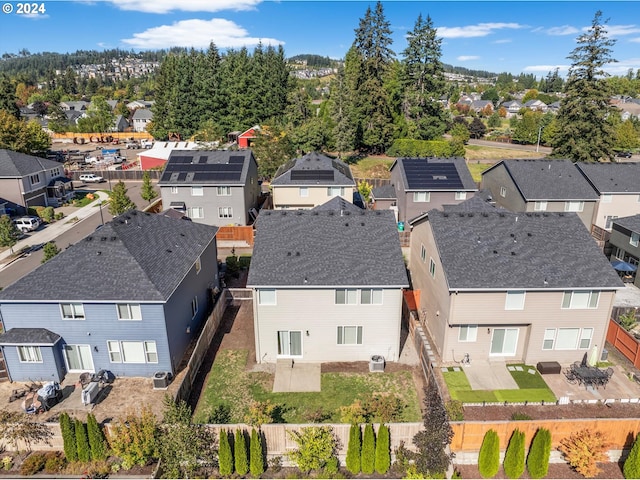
605	355
401	226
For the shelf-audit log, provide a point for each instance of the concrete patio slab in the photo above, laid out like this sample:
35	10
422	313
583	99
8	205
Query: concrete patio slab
296	377
489	376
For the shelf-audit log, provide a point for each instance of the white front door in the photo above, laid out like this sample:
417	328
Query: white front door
504	341
289	343
78	358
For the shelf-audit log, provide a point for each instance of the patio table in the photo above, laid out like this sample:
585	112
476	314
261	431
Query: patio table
591	376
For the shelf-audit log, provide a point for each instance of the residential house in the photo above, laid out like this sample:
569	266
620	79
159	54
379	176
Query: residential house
140	119
327	285
425	183
31	181
618	185
128	298
629	111
158	155
625	240
540	185
120	124
482	106
554	107
140	104
515	287
78	106
384	198
536	105
309	181
214	187
512	107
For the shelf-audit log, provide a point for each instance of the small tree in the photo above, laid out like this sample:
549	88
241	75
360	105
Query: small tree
82	441
583	450
353	449
147	192
368	459
477	129
383	451
489	456
225	456
240	453
316	447
133	438
631	468
9	234
514	455
259	412
50	250
364	188
119	202
256	460
18	428
539	452
67	428
97	441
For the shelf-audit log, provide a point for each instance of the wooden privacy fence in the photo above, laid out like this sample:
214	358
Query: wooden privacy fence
88	136
240	233
116	175
624	342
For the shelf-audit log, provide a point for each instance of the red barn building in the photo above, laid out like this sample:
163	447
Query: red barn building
244	139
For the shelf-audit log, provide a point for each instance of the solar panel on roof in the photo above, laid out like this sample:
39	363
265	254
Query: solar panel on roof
318	175
236	159
203	159
431	176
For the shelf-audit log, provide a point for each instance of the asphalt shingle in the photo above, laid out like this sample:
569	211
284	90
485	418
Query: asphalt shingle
310	163
207	167
29	336
431	167
631	223
612	177
18	165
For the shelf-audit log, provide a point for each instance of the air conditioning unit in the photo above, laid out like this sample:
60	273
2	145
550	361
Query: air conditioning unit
376	364
160	380
90	393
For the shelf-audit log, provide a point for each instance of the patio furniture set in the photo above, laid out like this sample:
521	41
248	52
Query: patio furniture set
582	374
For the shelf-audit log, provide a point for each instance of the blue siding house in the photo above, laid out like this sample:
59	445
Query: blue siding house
128	298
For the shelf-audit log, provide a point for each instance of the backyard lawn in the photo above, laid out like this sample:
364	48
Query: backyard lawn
230	384
532	388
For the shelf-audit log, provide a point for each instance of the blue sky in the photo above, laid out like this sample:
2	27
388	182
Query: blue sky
501	36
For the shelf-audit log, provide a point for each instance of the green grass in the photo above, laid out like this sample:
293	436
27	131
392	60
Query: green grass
81	200
476	170
229	383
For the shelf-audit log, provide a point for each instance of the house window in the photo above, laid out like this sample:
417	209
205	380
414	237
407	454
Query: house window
225	212
346	296
198	265
129	311
351	335
29	354
633	240
609	221
573	206
34	179
515	300
72	311
197	191
503	191
174	190
423	253
549	338
461	195
195	212
138	352
304	191
224	191
468	333
432	268
620	253
335	191
267	297
194	306
150	352
576	300
606	198
504	341
115	356
540	206
585	338
567	338
419	197
371	296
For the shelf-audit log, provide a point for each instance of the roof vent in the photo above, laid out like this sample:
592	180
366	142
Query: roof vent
168	250
288	254
512	235
501	214
88	239
297	254
529	234
98	253
284	212
362	224
114	238
103	239
513	253
346	224
485	214
314	213
330	213
299	212
378	212
495	252
347	212
181	234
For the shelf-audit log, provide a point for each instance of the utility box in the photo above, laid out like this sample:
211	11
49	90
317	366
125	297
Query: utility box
605	355
376	364
90	393
160	380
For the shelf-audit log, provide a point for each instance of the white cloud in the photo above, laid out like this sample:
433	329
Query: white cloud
504	40
619	30
166	6
198	34
635	40
466	58
471	31
35	16
546	68
563	30
623	66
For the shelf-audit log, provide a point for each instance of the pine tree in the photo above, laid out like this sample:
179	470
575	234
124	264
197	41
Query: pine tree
383	450
147	192
9	234
225	456
368	458
82	441
539	452
631	468
354	449
67	428
256	460
240	453
97	441
584	133
119	201
489	455
514	455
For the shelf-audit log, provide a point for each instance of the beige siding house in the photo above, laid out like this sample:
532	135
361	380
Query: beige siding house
327	285
501	286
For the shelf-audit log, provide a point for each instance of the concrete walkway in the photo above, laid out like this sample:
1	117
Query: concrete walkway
296	377
52	231
489	376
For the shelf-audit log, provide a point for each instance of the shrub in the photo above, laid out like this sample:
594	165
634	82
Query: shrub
275	464
48	214
32	464
405	147
232	265
316	446
583	449
520	416
97	441
489	456
54	462
260	413
539	452
628	320
332	467
354	413
256	460
82	441
67	428
455	410
318	415
133	439
59	216
240	453
368	458
385	408
244	261
631	468
7	463
383	452
225	456
514	455
221	414
353	449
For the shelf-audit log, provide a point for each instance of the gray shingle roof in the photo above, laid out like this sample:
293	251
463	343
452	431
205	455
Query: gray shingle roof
337	204
324	248
314	165
612	177
541	179
207	167
137	256
385	192
477	203
29	336
503	250
433	164
142	114
18	165
631	223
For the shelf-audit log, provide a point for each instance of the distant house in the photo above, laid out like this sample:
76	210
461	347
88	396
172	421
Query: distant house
158	155
625	240
140	104
537	105
425	183
512	107
214	187
482	106
31	181
120	124
245	138
151	285
629	110
384	198
540	185
327	285
140	119
554	107
75	106
515	287
309	181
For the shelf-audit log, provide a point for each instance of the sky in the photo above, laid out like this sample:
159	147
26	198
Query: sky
500	36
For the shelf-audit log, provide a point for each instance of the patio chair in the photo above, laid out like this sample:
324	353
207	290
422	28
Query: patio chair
570	376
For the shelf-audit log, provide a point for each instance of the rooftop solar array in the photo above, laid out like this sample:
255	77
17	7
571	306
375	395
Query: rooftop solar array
342	168
431	176
182	171
316	175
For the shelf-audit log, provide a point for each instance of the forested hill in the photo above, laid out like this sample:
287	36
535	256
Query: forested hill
469	72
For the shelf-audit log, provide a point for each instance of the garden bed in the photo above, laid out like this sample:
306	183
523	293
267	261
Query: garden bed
556	470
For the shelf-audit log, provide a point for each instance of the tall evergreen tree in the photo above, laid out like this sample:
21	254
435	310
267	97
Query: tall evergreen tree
147	192
225	455
368	454
354	449
256	459
584	134
119	202
97	441
82	441
67	428
8	96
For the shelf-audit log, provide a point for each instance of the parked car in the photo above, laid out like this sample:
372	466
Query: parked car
146	143
624	154
27	224
91	178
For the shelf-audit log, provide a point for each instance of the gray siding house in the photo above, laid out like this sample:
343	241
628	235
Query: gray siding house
515	287
540	185
425	183
136	312
625	240
213	187
327	285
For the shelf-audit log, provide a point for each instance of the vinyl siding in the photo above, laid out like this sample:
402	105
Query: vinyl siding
620	206
12	189
315	311
586	215
289	196
22	372
498	177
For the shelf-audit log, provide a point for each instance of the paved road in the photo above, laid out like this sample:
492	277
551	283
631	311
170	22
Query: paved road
511	146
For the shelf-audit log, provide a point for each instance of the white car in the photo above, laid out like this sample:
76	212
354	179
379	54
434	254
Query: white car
146	143
27	224
91	178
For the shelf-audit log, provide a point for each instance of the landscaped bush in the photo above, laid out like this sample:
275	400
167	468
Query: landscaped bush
405	147
97	441
240	453
32	464
256	460
232	265
244	261
631	468
47	214
383	452
260	413
82	441
368	458
385	408
514	455
59	216
489	456
54	462
583	450
221	414
133	438
6	463
353	449
539	452
225	456
316	447
67	428
354	413
455	410
520	416
332	467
